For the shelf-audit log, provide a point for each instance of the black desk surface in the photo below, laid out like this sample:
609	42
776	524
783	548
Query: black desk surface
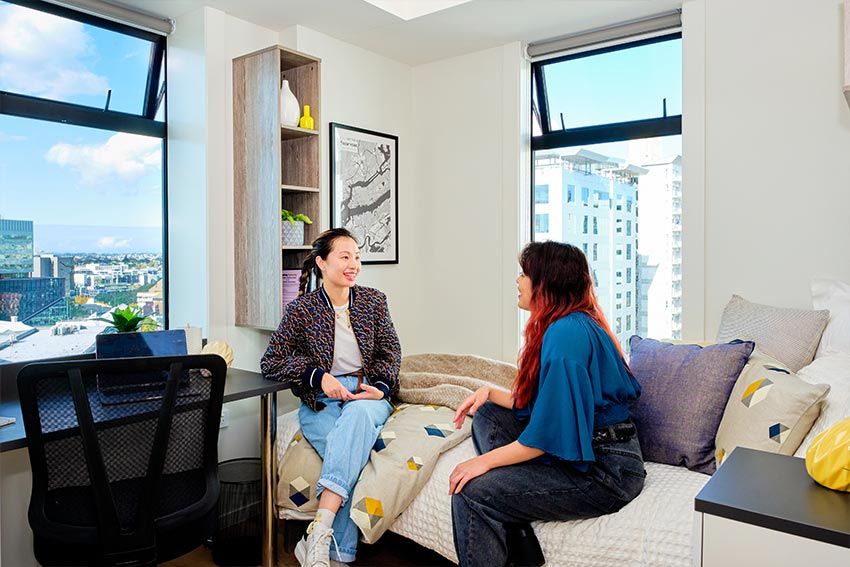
239	385
775	492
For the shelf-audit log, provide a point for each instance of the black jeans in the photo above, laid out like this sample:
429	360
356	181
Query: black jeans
535	491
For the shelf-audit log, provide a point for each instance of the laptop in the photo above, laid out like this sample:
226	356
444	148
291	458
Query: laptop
135	387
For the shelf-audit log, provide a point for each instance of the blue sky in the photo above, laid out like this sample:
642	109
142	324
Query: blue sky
80	186
616	87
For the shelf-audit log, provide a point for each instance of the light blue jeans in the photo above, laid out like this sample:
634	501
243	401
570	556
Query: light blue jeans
343	434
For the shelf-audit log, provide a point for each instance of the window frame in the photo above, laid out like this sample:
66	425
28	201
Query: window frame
600	133
145	124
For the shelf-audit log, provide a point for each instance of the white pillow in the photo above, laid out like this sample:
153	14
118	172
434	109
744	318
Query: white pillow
835	296
833	369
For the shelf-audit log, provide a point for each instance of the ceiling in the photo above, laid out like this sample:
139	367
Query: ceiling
469	27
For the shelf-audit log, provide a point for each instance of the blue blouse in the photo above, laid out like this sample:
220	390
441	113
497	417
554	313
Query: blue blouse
583	384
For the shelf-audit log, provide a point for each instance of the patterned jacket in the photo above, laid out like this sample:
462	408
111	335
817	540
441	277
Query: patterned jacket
302	348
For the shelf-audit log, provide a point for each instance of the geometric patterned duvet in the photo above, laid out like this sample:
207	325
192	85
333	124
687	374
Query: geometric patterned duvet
654	530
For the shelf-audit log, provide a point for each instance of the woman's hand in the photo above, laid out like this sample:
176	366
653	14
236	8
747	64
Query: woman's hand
465	472
368	392
334	389
470	405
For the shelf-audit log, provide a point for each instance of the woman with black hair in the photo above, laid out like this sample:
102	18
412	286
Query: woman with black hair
338	348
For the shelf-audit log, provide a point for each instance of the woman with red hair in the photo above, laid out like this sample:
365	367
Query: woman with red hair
560	445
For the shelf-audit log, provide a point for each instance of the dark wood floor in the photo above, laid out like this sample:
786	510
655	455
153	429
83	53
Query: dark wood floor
391	551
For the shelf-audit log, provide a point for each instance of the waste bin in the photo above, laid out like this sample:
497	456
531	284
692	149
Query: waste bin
237	539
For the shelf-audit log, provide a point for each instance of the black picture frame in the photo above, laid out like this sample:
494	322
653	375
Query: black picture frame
365	161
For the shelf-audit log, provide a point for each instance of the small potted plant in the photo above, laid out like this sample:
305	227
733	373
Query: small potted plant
129	320
292	232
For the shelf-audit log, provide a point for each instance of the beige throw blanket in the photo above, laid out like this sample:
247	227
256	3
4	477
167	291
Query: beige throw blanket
447	379
411	441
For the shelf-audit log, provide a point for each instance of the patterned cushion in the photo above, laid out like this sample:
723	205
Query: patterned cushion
684	392
770	409
401	462
788	335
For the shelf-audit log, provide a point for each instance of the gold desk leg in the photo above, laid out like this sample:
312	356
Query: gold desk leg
268	433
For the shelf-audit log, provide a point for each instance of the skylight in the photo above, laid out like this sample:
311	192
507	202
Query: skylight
410	9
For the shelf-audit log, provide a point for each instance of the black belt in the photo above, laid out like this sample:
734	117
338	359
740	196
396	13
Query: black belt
613	433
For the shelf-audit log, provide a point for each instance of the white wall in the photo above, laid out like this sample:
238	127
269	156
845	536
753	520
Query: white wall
777	151
472	179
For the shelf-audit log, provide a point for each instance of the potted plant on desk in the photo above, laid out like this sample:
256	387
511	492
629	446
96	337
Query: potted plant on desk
292	232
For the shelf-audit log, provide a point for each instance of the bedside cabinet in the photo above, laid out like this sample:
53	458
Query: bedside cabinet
764	509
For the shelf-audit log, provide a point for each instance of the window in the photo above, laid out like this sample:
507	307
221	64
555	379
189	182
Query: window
541	194
595	251
584	225
541	223
82	128
571	193
613	116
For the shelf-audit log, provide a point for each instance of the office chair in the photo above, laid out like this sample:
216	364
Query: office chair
127	484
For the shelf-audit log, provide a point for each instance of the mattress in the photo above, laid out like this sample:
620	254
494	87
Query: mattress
654	530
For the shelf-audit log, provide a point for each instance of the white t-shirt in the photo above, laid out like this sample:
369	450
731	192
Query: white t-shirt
347	357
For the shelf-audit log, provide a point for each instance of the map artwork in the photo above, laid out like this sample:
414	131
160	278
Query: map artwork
365	193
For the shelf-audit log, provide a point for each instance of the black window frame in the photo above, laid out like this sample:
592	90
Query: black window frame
596	134
145	124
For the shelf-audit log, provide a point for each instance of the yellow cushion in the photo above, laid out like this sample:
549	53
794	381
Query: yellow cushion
828	457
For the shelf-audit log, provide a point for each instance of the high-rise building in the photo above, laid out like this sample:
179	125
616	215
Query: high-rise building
660	260
16	247
590	200
42	266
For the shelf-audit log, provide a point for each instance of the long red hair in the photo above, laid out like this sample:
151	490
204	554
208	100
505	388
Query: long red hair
561	284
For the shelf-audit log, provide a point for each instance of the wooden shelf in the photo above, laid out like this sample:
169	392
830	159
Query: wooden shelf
299	189
274	167
294	132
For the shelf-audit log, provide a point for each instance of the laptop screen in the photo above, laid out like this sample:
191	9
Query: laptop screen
154	343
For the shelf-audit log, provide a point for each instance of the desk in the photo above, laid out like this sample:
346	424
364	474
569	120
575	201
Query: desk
239	385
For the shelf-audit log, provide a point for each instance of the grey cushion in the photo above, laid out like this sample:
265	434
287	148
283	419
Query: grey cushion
791	336
684	392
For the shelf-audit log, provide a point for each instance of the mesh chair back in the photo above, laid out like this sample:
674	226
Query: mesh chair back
118	478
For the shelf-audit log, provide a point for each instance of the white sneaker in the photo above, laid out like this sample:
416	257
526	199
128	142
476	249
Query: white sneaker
314	548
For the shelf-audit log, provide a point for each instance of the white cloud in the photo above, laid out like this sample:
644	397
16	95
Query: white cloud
112	243
126	156
44	55
4	137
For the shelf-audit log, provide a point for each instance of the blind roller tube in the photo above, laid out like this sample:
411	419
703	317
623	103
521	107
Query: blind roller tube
654	24
119	14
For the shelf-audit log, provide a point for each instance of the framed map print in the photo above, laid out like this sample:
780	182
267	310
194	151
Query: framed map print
364	190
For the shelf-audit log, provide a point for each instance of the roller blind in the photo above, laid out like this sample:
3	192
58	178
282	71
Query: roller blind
120	14
645	27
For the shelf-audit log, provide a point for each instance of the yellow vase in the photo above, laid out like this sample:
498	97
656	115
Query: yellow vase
306	120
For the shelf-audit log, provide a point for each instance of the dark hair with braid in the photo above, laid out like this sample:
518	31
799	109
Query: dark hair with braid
322	246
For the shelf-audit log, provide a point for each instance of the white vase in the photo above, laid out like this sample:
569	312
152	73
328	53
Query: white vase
290	110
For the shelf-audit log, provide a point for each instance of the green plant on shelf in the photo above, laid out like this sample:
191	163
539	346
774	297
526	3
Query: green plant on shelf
129	320
293	217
